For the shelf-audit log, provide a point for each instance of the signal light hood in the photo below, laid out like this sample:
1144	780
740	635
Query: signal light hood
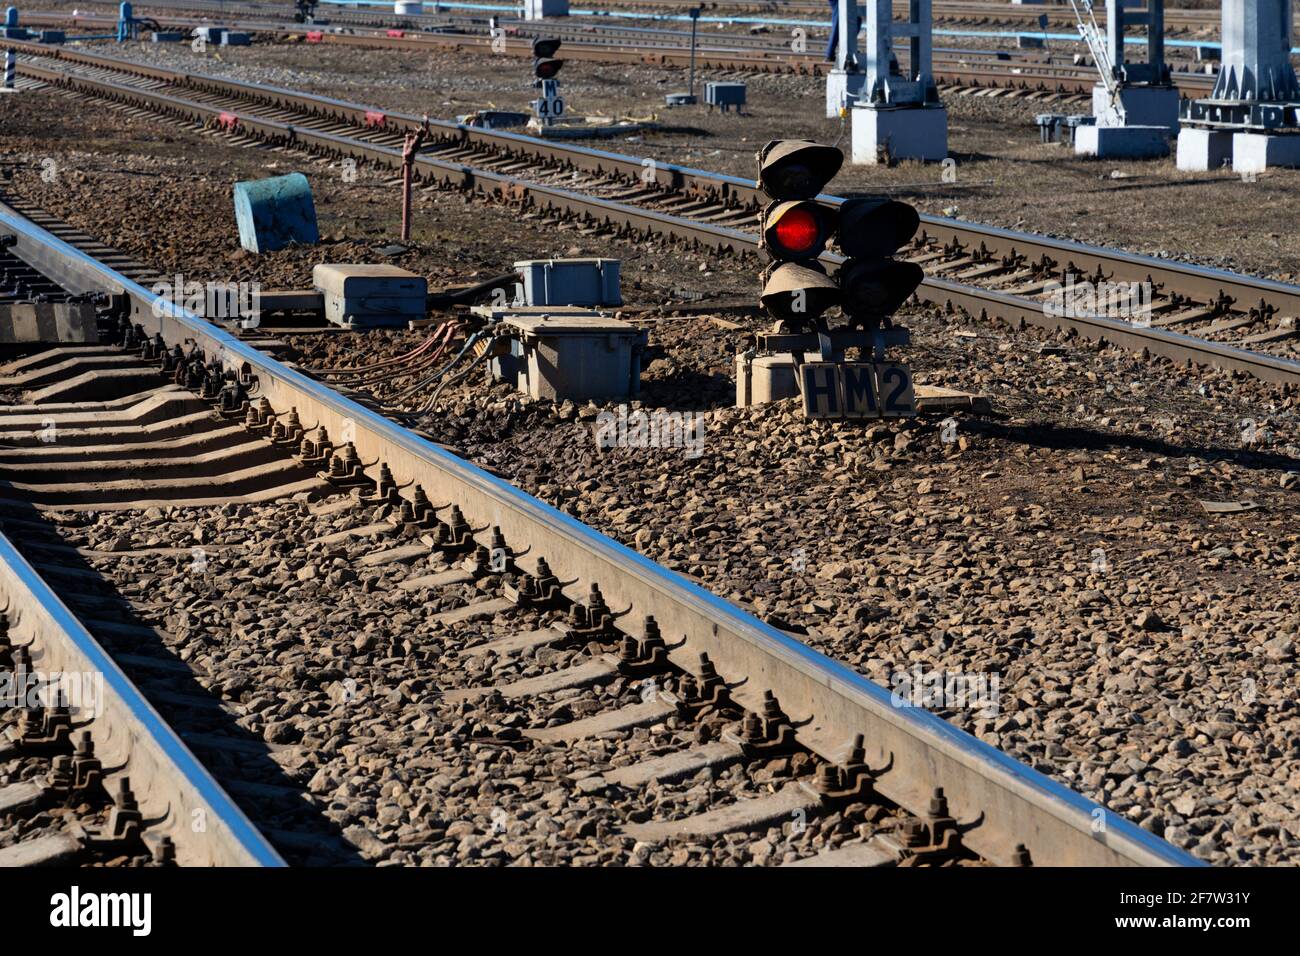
798	294
797	169
545	47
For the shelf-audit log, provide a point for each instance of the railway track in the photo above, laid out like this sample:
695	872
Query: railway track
1060	17
89	771
1197	315
590	680
968	72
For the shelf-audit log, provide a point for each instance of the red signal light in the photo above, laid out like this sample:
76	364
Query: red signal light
798	231
545	68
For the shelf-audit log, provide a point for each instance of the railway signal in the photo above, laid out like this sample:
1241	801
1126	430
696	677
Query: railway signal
797	231
545	65
549	105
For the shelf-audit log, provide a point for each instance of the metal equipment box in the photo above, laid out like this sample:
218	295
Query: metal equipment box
1049	126
724	95
585	282
274	213
575	356
370	296
541	9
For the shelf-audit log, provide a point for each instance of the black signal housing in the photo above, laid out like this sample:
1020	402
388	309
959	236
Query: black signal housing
797	169
545	48
796	230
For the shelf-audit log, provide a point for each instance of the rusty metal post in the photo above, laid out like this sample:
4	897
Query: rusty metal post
694	13
410	146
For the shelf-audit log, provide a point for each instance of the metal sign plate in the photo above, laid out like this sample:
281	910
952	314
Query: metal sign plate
857	390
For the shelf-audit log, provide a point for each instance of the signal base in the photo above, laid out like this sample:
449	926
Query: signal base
885	134
765	378
843	87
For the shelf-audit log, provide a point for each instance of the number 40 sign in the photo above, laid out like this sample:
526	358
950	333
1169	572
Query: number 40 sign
857	390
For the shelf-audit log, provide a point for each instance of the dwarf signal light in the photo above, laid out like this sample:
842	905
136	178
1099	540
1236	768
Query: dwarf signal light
546	68
796	169
545	47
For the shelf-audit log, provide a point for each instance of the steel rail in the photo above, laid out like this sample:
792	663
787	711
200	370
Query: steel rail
1001	803
1208	284
173	788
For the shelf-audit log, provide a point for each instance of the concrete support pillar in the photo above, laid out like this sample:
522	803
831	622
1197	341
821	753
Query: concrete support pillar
541	9
1200	150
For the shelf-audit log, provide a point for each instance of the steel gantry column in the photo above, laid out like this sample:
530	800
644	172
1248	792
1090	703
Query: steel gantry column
898	115
1256	99
1119	16
1257	61
886	84
845	81
1144	95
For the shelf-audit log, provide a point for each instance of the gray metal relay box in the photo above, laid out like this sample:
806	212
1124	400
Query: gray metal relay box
575	354
371	296
724	95
588	282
